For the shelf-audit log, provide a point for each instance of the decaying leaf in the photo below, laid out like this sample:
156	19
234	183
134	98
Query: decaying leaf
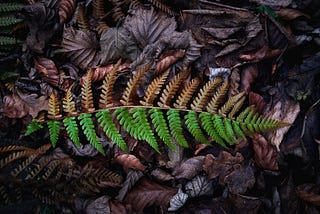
223	164
130	161
239	180
309	193
223	32
260	54
189	168
198	186
133	177
168	59
257	100
147	193
248	75
161	175
245	204
66	10
290	14
265	154
99	205
178	200
81	47
273	3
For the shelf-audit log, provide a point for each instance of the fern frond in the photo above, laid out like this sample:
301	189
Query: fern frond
89	131
15	156
109	128
216	100
220	127
162	7
72	129
8	21
107	87
153	89
53	107
205	93
231	105
68	104
171	89
86	93
143	127
186	94
194	128
82	19
207	124
8	41
10	6
125	119
161	127
23	165
38	167
236	107
176	129
54	130
33	126
127	98
98	9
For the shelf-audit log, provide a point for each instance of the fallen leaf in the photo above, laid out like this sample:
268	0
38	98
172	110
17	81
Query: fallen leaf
248	75
130	161
98	206
177	201
265	155
189	168
66	10
261	54
133	177
116	207
161	175
221	33
239	180
290	14
273	3
257	100
309	193
198	186
223	164
168	60
147	193
245	204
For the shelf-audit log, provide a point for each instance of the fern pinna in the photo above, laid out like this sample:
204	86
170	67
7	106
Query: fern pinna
166	113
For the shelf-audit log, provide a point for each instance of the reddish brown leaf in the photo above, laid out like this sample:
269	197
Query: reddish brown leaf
309	193
189	168
290	14
161	175
265	155
148	193
223	164
168	59
257	100
116	207
248	75
14	107
239	180
66	10
130	161
260	54
245	204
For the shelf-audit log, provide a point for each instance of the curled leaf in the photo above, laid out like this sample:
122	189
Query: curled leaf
265	154
130	161
161	175
168	60
189	168
178	200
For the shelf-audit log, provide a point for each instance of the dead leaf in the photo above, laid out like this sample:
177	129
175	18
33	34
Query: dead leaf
309	193
221	33
80	46
273	3
161	175
248	75
133	177
130	161
234	80
265	155
245	204
283	110
189	168
257	100
168	59
98	206
260	54
290	14
66	10
198	186
147	193
239	180
116	207
178	200
223	164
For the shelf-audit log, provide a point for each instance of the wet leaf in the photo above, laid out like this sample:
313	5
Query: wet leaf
130	161
223	164
198	186
80	46
147	193
189	168
178	200
265	154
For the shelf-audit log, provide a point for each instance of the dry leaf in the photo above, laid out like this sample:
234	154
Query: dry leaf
290	14
161	175
198	186
222	33
309	193
66	10
257	100
117	207
130	161
283	110
273	3
239	180
147	193
133	177
189	168
168	59
223	164
265	155
177	201
98	206
248	75
245	204
80	46
260	54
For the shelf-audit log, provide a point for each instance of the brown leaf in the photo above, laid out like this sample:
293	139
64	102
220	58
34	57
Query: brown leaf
130	161
133	177
222	33
283	110
148	193
168	59
309	193
248	75
223	164
257	100
66	10
245	204
239	180
97	206
189	168
161	175
116	207
290	14
273	3
81	46
265	155
260	54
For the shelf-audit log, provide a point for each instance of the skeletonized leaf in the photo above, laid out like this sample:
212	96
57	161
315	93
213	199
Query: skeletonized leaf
80	46
132	178
147	193
198	186
130	161
178	200
189	168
